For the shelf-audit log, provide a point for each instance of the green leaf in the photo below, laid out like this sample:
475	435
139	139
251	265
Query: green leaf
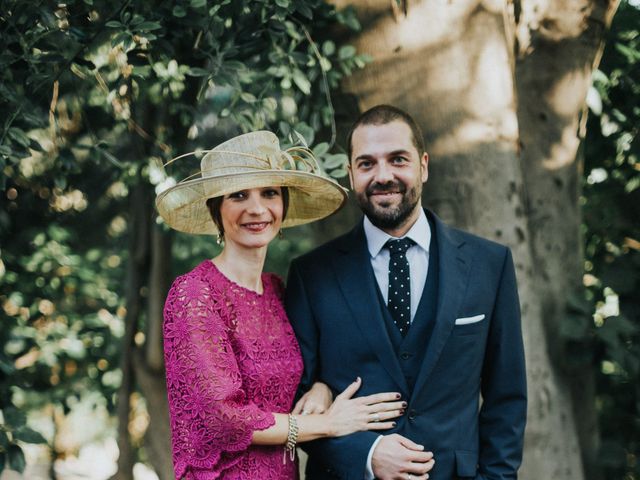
334	161
198	3
28	435
113	24
198	72
320	149
179	12
18	136
302	82
16	458
147	26
5	150
346	52
4	441
328	48
248	97
283	3
14	417
305	10
338	173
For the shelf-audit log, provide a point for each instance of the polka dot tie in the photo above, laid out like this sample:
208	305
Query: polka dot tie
399	302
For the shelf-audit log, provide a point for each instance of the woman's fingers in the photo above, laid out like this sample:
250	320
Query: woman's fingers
380	425
386	406
350	390
380	398
383	416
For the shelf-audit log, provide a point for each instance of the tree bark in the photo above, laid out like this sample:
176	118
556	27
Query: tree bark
560	44
149	365
138	253
456	67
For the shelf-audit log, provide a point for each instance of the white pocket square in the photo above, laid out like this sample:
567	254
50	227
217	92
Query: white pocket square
468	320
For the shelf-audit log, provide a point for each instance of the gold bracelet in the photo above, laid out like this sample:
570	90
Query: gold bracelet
292	439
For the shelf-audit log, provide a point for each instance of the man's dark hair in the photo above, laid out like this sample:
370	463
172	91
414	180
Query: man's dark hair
214	204
381	115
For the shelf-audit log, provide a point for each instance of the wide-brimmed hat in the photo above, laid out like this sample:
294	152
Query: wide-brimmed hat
252	160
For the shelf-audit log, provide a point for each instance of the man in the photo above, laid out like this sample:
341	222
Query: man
412	305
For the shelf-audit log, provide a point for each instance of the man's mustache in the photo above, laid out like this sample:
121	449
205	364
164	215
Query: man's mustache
389	187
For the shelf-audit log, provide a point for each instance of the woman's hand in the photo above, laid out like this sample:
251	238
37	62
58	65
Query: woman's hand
373	412
316	400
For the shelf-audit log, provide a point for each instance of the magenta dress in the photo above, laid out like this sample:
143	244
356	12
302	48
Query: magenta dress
231	360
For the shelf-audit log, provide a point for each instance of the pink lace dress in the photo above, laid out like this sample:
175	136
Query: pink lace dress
231	359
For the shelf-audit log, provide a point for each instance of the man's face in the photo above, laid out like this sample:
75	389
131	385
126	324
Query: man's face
386	173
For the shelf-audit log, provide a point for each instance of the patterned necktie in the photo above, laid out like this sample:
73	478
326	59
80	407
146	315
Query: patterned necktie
399	302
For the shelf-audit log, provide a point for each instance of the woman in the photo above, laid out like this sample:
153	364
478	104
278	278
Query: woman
232	360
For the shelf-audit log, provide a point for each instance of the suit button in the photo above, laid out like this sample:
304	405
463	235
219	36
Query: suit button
405	355
412	414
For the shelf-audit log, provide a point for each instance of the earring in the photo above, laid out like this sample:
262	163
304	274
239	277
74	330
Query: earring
220	238
280	234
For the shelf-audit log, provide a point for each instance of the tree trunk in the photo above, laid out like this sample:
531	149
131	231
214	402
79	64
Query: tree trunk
138	253
453	66
560	45
149	365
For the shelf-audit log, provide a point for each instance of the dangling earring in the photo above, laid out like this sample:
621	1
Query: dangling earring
280	234
220	238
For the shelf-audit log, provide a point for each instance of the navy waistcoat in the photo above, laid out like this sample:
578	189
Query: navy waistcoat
411	349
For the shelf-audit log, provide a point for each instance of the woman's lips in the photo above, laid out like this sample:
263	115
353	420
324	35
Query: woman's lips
256	226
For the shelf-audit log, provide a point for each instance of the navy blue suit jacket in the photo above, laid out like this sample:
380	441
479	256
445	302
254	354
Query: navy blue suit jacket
332	303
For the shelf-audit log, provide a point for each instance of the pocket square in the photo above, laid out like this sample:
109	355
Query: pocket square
468	320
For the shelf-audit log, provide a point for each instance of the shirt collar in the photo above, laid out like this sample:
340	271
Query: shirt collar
420	232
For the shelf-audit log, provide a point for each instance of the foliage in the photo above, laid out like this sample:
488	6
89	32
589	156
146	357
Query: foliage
95	95
611	213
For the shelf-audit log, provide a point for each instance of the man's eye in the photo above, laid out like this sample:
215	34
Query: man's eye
398	159
364	165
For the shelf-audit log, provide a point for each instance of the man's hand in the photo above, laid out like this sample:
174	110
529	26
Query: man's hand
398	458
316	400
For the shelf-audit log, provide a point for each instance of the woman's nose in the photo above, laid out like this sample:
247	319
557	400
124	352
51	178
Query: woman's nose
256	205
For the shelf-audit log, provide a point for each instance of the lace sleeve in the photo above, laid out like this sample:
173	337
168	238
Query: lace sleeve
211	419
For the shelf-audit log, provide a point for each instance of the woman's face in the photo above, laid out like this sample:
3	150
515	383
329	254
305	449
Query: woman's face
252	218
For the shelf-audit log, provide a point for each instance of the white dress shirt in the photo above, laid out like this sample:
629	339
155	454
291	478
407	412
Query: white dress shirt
418	258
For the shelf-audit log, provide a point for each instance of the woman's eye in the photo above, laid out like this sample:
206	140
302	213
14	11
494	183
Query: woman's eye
240	194
271	192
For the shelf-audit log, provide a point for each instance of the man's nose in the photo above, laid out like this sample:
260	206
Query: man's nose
384	174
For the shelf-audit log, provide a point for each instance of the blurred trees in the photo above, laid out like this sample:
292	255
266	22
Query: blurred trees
605	330
95	97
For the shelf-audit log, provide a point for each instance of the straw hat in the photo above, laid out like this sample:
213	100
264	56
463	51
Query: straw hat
252	160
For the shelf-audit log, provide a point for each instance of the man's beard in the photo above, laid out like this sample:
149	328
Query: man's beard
389	218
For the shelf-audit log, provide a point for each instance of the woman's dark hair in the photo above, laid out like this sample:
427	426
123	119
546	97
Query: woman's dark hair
215	203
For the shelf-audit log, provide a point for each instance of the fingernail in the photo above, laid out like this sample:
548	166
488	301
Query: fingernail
398	395
393	424
357	379
404	404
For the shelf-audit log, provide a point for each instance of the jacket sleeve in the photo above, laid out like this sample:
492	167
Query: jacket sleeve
211	419
504	388
345	457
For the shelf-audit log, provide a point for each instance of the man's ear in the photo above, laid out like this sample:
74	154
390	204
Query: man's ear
424	166
350	172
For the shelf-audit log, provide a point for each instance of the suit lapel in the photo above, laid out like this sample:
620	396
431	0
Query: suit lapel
453	273
355	277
